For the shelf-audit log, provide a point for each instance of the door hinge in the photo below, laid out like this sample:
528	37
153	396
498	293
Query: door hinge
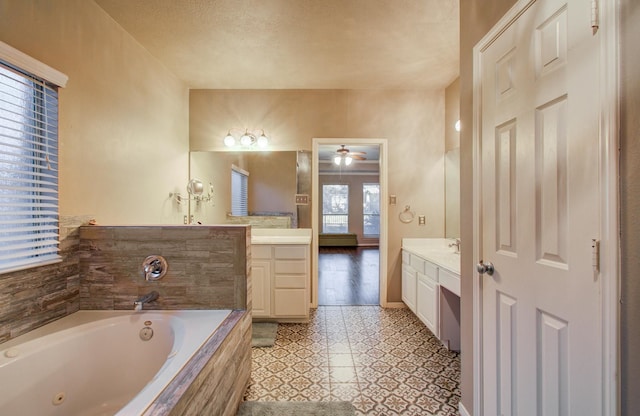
595	255
595	17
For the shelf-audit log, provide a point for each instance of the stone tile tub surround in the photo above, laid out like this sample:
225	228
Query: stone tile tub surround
208	266
34	297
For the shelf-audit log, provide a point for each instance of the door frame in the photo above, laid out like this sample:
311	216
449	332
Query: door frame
315	214
608	32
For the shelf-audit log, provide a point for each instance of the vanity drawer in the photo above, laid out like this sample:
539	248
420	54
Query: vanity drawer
290	267
425	267
291	252
259	251
431	271
291	302
450	281
417	263
290	282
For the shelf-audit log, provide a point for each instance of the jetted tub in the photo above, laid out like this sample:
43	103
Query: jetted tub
95	363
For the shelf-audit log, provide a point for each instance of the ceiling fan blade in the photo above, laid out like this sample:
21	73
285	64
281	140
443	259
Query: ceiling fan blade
357	157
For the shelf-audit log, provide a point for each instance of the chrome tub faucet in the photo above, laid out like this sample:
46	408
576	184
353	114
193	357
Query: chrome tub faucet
149	297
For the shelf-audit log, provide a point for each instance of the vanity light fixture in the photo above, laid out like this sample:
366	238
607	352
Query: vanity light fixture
249	140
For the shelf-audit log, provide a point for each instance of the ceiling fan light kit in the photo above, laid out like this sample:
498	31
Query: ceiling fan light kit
344	156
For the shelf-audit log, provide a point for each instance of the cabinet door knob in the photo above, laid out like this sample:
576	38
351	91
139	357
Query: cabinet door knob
483	268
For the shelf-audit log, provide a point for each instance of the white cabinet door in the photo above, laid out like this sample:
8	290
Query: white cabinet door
409	287
427	303
261	288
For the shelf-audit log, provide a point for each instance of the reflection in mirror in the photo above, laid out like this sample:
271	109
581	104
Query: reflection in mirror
195	187
452	193
271	187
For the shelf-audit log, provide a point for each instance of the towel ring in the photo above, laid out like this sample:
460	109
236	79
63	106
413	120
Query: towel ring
407	215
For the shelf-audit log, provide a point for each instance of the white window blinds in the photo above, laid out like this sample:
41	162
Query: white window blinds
239	191
28	170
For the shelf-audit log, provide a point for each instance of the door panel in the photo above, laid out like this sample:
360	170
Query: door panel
541	322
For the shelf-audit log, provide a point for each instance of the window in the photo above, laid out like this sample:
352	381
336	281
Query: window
371	209
28	170
239	191
335	209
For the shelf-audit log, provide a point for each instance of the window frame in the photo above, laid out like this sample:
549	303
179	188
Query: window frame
30	209
365	214
326	215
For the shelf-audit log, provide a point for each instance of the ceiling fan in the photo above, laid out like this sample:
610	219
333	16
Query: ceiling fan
345	156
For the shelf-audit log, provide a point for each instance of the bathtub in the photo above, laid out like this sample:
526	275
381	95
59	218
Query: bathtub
95	363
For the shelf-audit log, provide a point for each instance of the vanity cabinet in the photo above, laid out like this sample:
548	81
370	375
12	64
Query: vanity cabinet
432	292
280	278
409	277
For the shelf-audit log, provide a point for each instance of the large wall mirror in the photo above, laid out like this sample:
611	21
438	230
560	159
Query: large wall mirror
273	180
452	193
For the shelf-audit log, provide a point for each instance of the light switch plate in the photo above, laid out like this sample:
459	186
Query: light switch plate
392	200
302	199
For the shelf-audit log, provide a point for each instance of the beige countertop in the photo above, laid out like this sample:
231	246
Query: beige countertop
435	250
280	235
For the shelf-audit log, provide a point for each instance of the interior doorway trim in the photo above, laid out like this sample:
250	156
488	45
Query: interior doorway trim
315	214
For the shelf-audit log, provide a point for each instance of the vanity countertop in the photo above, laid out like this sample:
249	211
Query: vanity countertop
435	250
281	236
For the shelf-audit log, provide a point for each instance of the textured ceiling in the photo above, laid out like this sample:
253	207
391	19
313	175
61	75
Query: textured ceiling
298	44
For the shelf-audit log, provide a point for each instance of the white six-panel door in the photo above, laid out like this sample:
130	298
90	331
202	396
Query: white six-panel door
539	212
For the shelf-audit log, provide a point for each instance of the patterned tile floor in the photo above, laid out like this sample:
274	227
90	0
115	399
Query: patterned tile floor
385	361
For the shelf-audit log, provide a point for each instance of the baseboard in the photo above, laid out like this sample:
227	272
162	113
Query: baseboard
395	305
463	411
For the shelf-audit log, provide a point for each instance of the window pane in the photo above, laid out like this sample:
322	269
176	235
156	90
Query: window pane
371	209
239	191
28	170
335	208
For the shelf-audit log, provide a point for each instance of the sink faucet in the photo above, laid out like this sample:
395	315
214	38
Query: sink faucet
149	297
456	244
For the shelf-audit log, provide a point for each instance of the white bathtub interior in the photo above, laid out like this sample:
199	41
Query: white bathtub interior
94	363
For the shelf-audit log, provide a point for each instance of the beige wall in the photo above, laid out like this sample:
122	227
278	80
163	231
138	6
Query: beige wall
476	18
123	117
412	121
630	207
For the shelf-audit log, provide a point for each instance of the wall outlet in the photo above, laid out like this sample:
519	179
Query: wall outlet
302	199
422	220
185	220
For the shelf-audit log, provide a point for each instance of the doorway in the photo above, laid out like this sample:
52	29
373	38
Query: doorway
349	231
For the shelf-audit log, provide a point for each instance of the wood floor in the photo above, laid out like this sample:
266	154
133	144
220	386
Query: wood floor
348	276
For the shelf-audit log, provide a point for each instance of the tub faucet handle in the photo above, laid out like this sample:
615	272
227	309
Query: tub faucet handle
154	267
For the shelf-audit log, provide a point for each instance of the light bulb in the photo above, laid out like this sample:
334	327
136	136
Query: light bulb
457	125
263	141
246	139
229	140
347	160
337	160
